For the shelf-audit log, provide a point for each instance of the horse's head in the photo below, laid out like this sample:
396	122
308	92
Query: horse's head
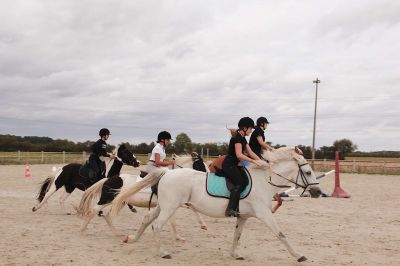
126	156
190	161
289	167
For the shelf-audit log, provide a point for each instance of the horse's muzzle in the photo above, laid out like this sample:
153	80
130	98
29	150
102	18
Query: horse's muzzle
315	192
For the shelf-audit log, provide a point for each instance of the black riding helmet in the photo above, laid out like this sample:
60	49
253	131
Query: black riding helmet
163	135
262	120
246	122
103	132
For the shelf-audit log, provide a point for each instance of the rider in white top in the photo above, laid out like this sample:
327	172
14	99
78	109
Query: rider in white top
158	153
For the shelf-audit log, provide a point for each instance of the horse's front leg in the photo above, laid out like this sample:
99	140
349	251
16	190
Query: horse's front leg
236	237
267	218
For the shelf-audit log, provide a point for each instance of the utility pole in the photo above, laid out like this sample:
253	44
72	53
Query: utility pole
316	81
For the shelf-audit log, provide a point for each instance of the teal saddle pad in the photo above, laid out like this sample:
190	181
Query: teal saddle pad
216	186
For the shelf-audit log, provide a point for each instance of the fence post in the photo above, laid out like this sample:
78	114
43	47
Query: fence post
208	154
202	153
42	157
354	166
19	155
384	167
63	157
83	156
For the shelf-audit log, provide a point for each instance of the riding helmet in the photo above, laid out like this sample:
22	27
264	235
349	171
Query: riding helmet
246	122
262	120
163	135
103	132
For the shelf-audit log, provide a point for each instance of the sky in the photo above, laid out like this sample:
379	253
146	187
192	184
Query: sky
69	68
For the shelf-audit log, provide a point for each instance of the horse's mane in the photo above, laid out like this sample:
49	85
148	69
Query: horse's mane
276	155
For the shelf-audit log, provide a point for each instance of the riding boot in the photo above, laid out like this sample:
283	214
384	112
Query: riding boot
233	205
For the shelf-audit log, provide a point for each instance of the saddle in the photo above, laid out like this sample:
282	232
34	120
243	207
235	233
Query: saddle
216	165
217	185
87	172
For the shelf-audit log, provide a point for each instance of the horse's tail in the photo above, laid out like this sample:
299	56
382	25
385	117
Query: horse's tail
92	193
45	186
149	180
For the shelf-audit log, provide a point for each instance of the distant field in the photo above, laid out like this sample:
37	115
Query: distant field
373	159
360	165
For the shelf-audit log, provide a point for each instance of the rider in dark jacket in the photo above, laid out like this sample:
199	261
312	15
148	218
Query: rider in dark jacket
233	167
99	149
257	138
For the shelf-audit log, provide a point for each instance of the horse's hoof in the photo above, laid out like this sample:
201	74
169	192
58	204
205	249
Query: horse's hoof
166	256
240	258
100	213
301	259
34	209
204	227
68	213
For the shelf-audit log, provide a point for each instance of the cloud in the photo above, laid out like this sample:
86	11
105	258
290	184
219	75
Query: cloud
138	67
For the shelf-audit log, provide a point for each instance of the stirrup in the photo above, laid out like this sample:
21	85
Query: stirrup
230	213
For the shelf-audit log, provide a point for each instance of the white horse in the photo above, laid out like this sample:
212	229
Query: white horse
107	189
70	178
185	186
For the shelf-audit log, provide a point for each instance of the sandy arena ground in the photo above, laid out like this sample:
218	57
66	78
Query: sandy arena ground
362	230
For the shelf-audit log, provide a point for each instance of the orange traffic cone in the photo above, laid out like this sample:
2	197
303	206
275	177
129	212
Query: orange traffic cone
338	191
27	171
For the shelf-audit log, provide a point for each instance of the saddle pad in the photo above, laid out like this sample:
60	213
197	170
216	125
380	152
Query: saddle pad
216	186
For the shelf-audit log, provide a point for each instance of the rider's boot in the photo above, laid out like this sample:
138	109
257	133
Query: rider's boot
232	209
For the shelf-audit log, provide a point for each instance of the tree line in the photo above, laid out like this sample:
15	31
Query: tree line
181	144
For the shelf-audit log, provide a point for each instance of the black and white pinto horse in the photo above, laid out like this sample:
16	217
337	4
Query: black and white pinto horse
70	178
108	189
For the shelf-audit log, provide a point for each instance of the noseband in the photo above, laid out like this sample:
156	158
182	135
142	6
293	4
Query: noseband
300	174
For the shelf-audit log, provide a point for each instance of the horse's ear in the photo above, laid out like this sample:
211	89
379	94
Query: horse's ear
298	150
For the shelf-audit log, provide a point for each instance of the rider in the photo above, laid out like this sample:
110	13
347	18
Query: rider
99	151
257	139
158	153
232	166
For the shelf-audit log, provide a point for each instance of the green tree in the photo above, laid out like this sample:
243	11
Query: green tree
182	143
344	146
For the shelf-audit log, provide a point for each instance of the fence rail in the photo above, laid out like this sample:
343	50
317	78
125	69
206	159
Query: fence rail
347	166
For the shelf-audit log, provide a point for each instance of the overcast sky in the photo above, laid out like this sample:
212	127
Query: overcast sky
68	68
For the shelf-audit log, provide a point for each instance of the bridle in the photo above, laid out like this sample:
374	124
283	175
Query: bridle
300	175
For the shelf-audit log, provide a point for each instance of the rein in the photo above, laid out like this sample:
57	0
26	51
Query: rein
296	183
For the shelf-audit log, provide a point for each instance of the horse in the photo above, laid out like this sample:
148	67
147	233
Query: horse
70	178
108	189
185	186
